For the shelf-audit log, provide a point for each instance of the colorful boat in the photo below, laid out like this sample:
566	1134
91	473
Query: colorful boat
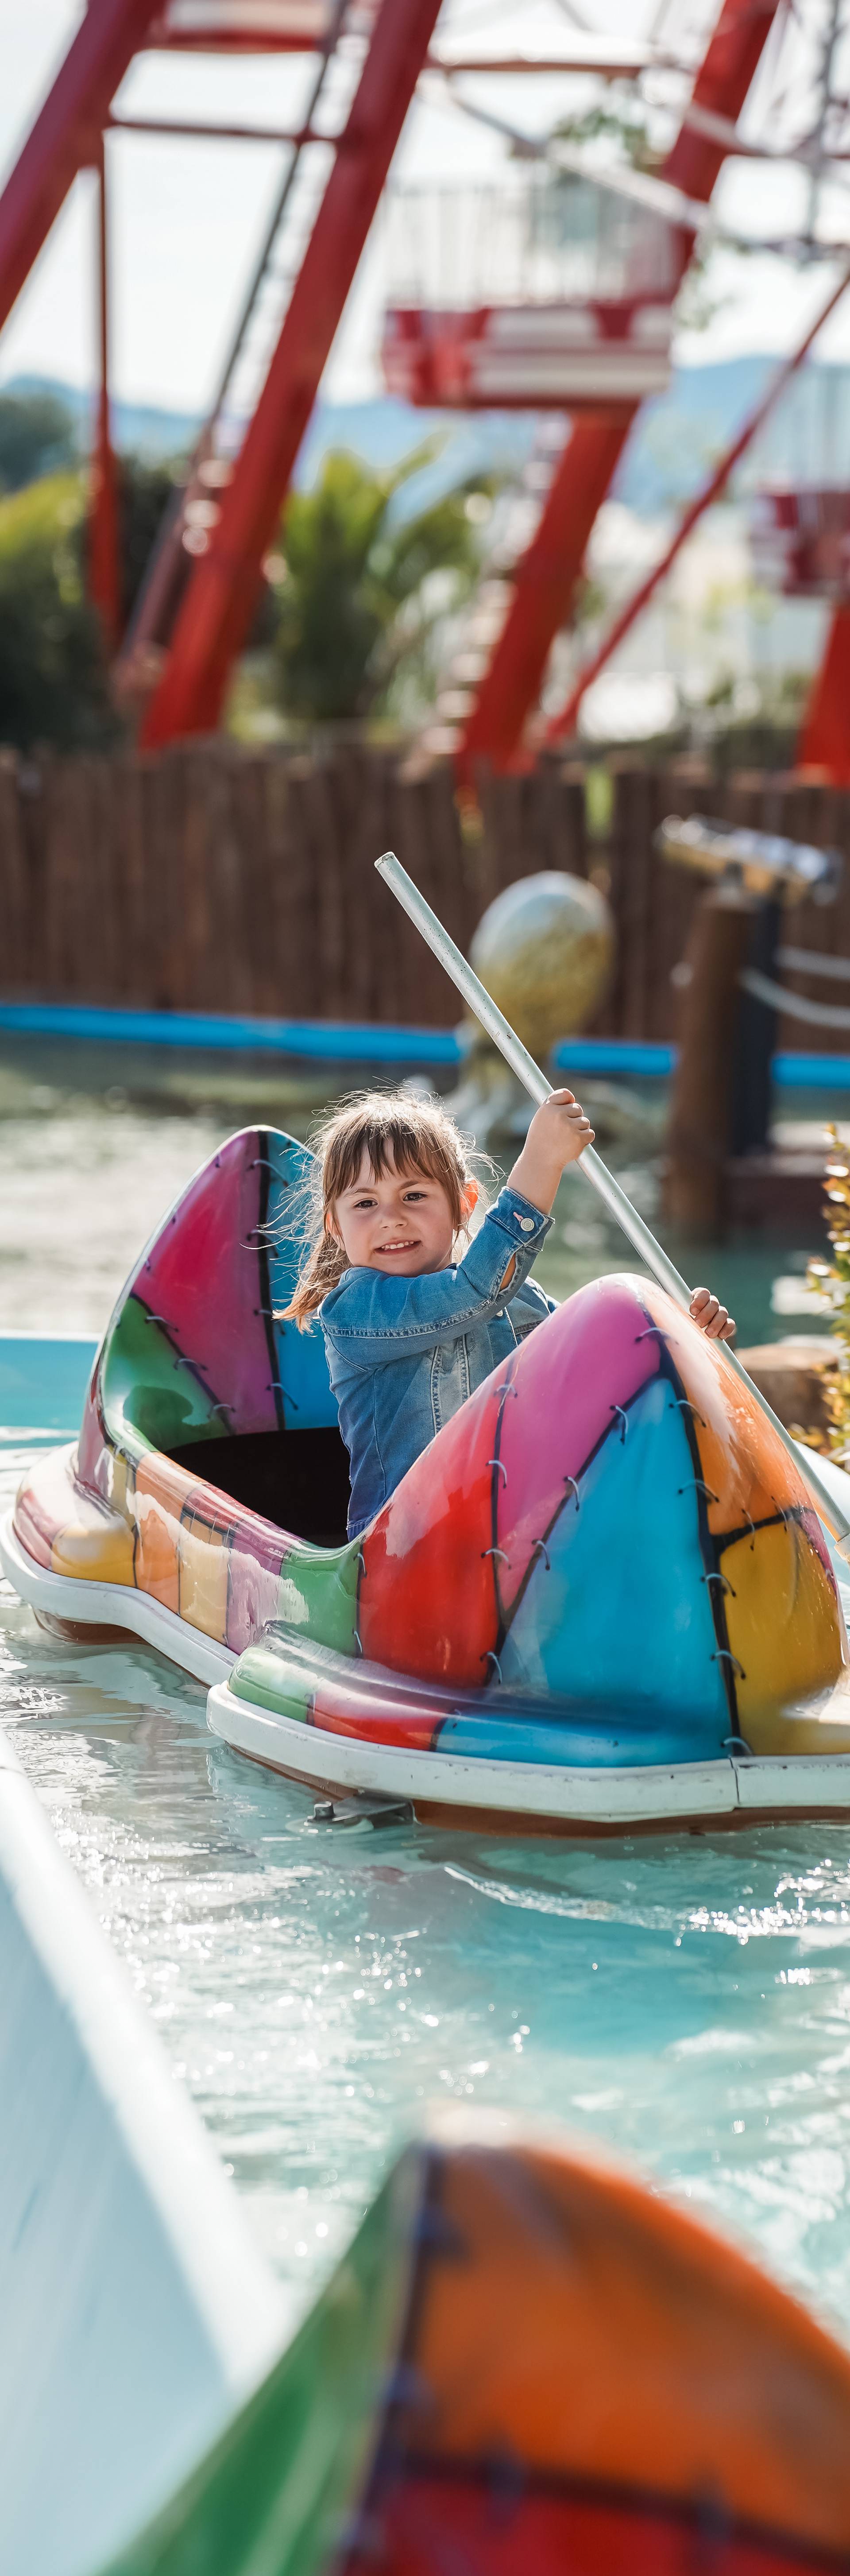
524	2365
601	1597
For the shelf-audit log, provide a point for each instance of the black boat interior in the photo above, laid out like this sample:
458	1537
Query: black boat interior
298	1479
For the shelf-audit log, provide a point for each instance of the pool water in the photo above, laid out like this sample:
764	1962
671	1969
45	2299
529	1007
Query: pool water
684	1999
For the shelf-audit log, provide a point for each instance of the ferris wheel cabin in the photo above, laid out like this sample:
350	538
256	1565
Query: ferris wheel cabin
800	541
552	293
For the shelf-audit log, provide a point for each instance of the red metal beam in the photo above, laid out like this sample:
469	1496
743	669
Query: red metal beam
565	722
722	84
212	133
825	739
512	684
228	41
545	582
66	134
104	565
216	611
626	66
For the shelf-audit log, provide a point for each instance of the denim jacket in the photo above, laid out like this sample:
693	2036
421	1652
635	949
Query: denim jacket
404	1354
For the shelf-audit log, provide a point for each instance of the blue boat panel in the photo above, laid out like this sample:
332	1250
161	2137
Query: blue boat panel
637	1518
301	1357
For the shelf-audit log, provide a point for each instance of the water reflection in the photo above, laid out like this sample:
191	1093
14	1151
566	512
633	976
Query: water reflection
686	1999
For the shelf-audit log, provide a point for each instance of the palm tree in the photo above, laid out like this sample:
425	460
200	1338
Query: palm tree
360	582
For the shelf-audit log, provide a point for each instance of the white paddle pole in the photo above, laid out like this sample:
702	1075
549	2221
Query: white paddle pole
590	1163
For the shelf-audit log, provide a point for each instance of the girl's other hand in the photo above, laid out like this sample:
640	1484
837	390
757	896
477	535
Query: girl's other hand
711	1317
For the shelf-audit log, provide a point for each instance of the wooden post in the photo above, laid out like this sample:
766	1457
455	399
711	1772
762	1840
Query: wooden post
694	1188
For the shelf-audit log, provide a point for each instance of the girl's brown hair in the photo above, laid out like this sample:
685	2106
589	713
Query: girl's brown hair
396	1132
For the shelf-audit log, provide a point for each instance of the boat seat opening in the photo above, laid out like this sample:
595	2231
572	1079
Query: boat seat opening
298	1479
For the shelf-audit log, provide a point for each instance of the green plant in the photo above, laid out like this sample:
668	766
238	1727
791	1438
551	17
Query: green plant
145	492
36	438
620	119
360	584
53	684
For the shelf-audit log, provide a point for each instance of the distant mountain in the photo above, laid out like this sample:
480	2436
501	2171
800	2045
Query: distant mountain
680	434
152	432
674	442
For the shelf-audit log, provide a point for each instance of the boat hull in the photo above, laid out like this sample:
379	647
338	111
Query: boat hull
87	1603
516	1797
454	1791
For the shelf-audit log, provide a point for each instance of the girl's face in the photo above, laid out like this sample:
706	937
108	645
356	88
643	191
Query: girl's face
401	1223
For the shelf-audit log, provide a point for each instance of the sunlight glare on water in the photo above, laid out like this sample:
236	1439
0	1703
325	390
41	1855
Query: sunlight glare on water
684	1999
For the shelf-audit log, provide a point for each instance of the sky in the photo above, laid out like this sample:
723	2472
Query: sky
186	216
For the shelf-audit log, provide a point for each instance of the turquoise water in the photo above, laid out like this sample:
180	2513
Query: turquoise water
686	2000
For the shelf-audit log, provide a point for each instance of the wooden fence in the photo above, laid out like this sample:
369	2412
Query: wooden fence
211	878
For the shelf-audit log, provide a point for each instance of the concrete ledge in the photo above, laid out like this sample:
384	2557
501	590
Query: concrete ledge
134	2310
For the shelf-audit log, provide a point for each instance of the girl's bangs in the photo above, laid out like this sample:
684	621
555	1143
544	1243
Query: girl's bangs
395	1143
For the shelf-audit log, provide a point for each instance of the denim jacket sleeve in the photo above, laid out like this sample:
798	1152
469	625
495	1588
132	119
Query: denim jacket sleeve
371	1317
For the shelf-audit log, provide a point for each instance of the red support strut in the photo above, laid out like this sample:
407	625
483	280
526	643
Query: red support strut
216	611
564	722
66	134
104	552
546	578
825	739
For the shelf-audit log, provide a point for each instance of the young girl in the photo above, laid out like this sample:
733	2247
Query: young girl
412	1322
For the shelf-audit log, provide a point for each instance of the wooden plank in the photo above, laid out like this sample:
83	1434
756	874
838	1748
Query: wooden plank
129	822
16	896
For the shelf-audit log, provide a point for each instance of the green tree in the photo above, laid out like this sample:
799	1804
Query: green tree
360	582
145	493
53	684
36	438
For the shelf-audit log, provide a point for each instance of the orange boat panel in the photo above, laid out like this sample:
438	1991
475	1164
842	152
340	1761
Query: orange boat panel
574	2323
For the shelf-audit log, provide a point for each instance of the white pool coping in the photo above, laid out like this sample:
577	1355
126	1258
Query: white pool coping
135	2310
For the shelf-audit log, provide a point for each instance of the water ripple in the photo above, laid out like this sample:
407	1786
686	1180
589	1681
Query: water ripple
684	1998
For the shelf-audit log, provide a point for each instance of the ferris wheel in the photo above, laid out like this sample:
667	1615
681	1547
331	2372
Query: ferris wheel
550	286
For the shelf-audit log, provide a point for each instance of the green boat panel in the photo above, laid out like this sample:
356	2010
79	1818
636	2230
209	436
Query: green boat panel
318	1593
272	1682
144	1389
273	2496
